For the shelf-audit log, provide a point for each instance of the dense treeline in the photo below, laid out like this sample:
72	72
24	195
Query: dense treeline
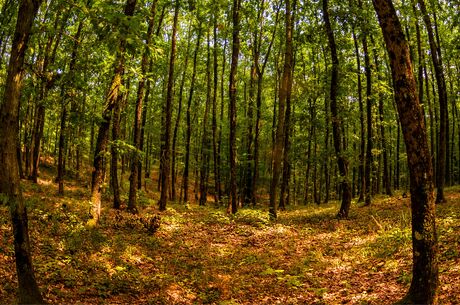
228	102
69	68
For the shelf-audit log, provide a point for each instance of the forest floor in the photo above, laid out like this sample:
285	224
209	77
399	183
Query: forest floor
201	255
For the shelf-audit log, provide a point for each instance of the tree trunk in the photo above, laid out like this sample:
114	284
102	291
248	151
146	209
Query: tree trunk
136	164
189	117
424	285
165	159
62	134
232	206
103	134
362	181
442	92
214	110
369	101
205	149
114	183
10	187
386	175
337	124
178	118
284	93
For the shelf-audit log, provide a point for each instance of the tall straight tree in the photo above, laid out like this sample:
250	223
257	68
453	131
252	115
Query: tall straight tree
285	87
178	117
103	135
166	145
232	206
443	115
215	155
362	147
424	284
337	126
185	179
135	162
10	186
369	101
205	142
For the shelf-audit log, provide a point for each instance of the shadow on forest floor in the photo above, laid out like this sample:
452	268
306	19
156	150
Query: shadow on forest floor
201	255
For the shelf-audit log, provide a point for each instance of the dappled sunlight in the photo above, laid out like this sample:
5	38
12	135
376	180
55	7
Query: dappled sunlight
204	255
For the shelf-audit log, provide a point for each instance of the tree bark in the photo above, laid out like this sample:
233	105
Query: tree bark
362	181
136	164
369	101
103	134
337	124
189	117
165	159
10	188
205	143
232	206
442	92
424	284
284	92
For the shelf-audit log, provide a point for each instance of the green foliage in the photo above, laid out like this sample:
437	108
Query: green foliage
253	217
391	242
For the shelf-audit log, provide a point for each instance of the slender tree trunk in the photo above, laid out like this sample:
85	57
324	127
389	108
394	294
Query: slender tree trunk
386	175
10	187
178	118
369	101
135	162
284	94
442	92
424	284
114	153
337	124
166	147
205	143
103	134
214	109
62	134
362	181
68	95
232	206
189	117
142	145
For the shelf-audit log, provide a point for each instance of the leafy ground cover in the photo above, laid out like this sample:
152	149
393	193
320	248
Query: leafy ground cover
201	255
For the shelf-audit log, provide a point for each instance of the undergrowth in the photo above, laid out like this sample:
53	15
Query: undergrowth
191	254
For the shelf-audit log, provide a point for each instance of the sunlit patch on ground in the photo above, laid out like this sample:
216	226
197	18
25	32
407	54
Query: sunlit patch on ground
201	255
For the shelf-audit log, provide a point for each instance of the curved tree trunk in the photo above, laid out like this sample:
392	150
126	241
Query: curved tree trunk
10	187
424	285
103	135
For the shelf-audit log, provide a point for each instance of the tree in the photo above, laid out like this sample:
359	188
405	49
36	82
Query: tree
424	284
166	145
112	98
10	187
189	116
232	206
284	94
337	125
135	162
442	92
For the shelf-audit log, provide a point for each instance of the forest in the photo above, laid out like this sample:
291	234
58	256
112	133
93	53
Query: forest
229	152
